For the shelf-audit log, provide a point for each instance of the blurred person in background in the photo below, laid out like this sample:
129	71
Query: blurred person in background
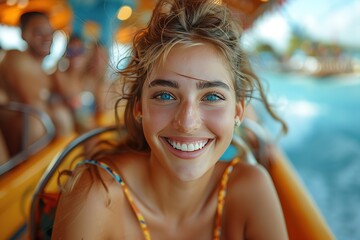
79	79
24	80
96	73
69	83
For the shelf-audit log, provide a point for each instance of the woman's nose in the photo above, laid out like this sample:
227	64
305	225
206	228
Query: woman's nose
187	118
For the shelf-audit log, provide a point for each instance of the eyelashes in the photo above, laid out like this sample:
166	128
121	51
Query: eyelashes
163	96
213	97
208	97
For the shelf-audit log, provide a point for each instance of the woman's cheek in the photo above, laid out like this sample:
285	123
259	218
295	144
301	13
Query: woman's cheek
220	119
158	115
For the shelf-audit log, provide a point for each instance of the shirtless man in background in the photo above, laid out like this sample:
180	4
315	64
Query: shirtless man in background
23	79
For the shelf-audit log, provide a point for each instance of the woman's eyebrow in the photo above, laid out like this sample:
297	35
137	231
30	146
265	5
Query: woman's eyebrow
200	85
211	84
163	83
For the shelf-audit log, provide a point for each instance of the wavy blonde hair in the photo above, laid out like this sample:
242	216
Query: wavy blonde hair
187	22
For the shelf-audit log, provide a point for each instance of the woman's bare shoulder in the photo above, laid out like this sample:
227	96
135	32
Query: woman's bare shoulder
254	203
127	161
249	181
246	174
91	191
128	167
106	173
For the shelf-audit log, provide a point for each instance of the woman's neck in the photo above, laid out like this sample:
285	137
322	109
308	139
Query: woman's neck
179	199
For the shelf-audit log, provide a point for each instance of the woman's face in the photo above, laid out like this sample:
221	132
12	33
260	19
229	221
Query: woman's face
188	107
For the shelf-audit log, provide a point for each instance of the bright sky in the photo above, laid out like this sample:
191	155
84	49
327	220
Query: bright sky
328	20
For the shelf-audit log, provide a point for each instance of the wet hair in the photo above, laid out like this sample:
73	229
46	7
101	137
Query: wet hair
25	18
186	22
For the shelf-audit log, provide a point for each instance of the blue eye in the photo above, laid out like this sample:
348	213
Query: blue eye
164	96
213	97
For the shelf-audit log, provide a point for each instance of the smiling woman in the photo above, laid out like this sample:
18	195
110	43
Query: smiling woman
185	109
185	89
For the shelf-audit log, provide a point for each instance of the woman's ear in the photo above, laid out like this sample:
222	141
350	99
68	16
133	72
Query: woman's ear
137	111
239	110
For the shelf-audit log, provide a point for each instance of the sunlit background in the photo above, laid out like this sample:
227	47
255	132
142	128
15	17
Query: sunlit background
311	67
307	52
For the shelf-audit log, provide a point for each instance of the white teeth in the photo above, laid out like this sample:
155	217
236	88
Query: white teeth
191	147
197	146
187	147
184	147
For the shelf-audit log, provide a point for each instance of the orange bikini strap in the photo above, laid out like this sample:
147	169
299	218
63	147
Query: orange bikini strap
221	198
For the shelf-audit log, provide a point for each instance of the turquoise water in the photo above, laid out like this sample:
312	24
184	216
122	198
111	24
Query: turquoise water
323	143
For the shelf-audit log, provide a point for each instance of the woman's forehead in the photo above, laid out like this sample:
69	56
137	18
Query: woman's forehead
200	62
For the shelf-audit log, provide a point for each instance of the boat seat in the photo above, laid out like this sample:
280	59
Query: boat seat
25	130
303	219
46	194
302	216
20	172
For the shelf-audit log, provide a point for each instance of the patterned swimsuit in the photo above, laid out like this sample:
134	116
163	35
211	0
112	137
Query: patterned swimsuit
140	217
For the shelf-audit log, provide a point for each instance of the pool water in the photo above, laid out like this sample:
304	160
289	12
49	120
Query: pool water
323	143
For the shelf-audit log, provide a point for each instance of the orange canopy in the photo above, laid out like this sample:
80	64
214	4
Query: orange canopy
247	10
59	12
